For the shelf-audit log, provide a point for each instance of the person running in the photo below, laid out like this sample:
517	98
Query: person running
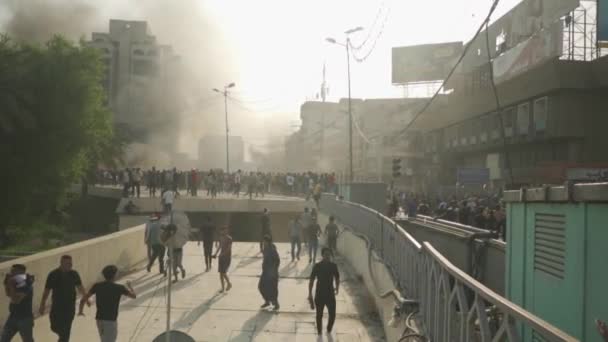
207	235
331	231
325	273
178	258
295	232
269	280
313	231
157	249
18	286
225	247
107	298
266	230
316	194
63	283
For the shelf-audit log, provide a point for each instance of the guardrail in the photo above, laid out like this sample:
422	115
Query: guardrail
453	305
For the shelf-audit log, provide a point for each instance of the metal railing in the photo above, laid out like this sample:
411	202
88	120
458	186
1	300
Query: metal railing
453	305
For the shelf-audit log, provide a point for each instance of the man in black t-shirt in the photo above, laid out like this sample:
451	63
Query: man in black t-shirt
107	298
63	282
207	235
18	286
325	272
331	230
313	232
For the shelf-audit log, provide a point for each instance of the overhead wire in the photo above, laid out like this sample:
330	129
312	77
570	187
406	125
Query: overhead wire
373	45
462	56
371	28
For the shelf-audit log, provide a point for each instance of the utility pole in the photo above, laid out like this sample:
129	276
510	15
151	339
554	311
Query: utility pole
227	132
350	116
351	175
225	94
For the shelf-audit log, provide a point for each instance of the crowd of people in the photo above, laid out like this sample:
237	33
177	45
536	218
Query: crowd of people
303	228
64	283
484	211
215	182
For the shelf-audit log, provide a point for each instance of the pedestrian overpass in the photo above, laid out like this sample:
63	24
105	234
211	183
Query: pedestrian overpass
380	264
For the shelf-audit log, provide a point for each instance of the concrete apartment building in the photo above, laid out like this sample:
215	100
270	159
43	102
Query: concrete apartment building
141	82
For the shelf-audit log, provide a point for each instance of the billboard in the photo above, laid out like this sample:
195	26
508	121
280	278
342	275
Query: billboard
419	63
602	22
517	26
545	45
473	176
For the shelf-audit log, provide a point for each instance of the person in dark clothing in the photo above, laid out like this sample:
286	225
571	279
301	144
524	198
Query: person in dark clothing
269	280
18	286
207	235
265	228
325	273
63	283
331	231
107	298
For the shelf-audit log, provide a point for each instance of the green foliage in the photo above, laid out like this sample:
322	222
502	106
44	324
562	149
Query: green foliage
54	125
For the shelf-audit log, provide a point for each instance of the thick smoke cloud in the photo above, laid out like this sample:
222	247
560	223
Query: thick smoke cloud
194	35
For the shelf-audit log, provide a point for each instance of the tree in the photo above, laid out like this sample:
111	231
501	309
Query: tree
53	124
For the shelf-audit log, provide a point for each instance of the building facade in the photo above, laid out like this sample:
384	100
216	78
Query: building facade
141	83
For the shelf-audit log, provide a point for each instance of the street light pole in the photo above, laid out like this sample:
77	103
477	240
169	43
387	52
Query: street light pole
351	175
350	115
227	131
225	94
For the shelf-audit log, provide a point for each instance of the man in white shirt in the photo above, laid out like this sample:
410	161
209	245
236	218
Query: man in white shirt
167	200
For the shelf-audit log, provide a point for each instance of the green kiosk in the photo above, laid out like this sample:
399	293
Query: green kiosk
557	256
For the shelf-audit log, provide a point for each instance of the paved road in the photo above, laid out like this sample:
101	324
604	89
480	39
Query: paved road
207	315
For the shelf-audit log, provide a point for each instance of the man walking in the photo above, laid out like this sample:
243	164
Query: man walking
269	280
107	298
313	231
167	199
237	183
295	231
326	273
152	181
331	231
207	235
225	247
265	220
18	286
63	282
157	249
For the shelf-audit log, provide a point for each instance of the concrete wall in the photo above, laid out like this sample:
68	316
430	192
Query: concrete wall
124	249
149	205
354	250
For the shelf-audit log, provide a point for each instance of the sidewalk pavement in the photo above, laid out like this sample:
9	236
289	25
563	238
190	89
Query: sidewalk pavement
201	311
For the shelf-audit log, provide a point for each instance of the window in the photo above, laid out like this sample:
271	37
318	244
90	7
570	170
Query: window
509	121
138	52
540	114
523	119
145	68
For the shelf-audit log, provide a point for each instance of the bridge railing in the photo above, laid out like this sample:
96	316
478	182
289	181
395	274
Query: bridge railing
453	305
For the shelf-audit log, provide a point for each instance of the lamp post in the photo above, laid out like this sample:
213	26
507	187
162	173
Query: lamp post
350	113
225	94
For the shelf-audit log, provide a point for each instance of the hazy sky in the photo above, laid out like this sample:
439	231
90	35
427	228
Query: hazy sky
273	49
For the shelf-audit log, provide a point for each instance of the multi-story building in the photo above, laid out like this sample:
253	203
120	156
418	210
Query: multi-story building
141	82
544	125
212	152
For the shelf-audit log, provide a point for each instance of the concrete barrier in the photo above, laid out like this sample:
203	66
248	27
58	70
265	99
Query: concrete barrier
354	250
124	249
